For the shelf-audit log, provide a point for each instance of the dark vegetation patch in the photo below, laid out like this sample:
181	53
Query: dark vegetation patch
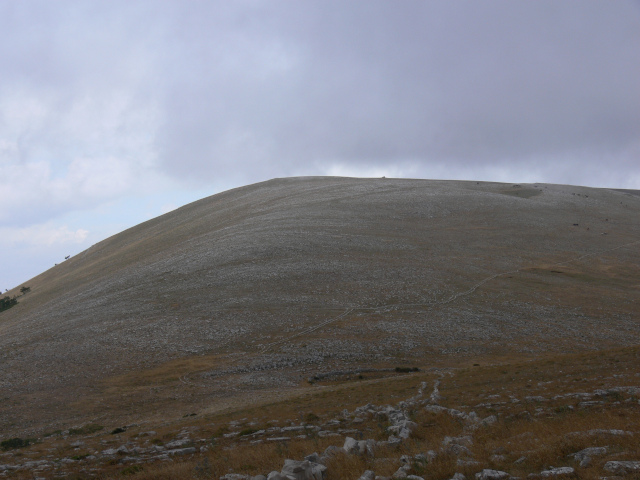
86	429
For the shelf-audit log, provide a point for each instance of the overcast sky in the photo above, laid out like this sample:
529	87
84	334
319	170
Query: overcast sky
114	112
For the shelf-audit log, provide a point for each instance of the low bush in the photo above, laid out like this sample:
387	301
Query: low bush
131	470
7	302
14	443
86	429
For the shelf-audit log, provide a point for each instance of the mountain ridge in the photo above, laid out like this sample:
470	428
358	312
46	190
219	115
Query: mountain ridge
305	275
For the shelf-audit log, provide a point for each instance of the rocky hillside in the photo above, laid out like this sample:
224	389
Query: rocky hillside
253	292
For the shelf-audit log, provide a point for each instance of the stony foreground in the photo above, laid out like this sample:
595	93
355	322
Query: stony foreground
396	449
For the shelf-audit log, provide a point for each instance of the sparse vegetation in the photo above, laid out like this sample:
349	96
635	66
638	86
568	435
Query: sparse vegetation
311	417
7	302
407	369
131	470
86	429
527	436
14	443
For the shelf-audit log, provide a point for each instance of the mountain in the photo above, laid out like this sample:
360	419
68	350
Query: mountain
249	294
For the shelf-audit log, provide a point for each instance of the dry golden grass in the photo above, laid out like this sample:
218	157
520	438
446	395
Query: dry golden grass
544	433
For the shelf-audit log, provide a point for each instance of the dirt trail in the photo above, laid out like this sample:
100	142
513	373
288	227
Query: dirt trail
451	299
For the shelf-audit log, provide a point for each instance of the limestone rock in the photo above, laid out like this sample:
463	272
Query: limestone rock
177	443
314	457
401	472
584	456
367	475
303	470
620	467
276	476
554	472
466	440
351	446
488	474
182	451
435	409
394	441
491	419
122	450
458	450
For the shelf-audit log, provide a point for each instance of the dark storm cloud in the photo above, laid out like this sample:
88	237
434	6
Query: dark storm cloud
225	93
274	85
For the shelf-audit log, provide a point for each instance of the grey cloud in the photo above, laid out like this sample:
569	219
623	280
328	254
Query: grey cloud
107	101
255	89
468	82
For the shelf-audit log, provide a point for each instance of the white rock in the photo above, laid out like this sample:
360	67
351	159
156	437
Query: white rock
401	472
620	467
182	451
276	476
466	440
122	449
303	470
368	475
557	471
488	474
351	446
491	419
394	441
177	443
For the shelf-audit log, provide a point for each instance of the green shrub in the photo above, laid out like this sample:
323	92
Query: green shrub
6	303
86	429
311	417
14	443
131	470
221	431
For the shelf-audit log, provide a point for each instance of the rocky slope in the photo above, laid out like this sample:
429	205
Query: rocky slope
259	288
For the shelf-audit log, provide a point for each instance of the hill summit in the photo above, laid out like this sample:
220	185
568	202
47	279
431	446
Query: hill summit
268	288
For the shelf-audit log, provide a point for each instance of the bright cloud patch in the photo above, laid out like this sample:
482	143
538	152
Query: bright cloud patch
364	171
33	190
74	147
44	235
